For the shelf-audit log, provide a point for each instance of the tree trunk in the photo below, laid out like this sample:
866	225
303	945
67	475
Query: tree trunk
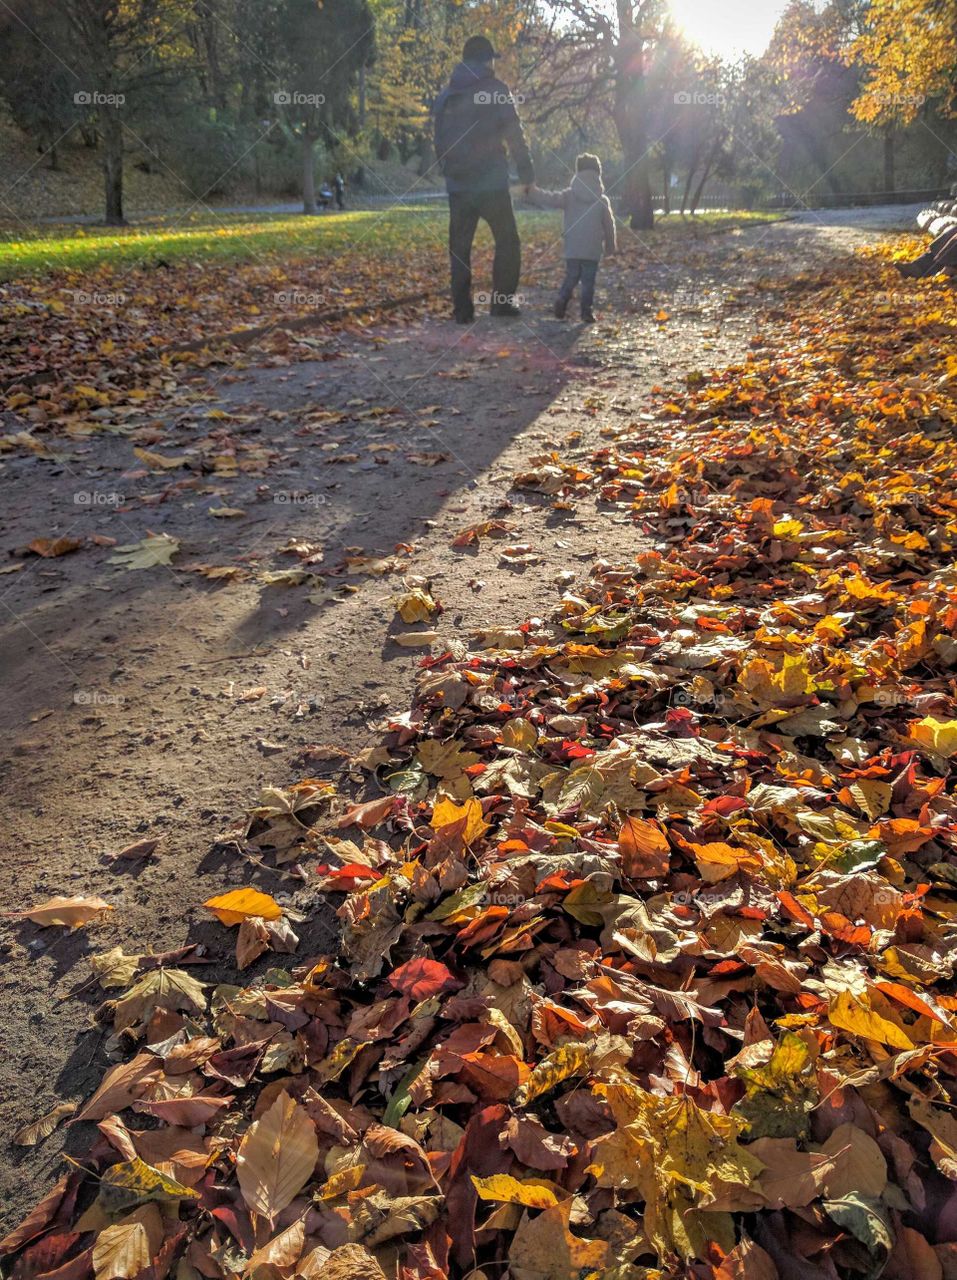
708	170
699	192
666	200
630	116
111	129
890	159
309	175
362	97
686	194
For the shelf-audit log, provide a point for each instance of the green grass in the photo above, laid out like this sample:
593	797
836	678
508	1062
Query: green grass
389	233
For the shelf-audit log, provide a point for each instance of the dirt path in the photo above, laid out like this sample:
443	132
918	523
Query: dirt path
160	702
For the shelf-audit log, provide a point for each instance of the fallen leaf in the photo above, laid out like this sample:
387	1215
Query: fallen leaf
277	1157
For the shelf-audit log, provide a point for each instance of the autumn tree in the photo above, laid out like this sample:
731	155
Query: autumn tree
419	42
320	51
36	84
598	57
908	52
130	51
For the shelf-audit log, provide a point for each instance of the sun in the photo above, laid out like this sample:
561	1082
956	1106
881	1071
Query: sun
728	28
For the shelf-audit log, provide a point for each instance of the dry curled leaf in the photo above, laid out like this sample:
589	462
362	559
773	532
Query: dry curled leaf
70	912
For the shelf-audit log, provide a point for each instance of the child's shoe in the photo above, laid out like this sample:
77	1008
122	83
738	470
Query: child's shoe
561	306
588	317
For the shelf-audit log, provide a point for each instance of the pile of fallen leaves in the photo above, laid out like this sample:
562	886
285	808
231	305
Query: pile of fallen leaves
82	351
646	964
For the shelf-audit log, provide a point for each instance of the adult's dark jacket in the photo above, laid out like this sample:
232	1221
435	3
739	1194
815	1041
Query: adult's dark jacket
475	121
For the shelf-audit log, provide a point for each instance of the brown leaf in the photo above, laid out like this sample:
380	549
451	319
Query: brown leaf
277	1157
50	548
120	1087
125	1250
139	849
71	912
33	1133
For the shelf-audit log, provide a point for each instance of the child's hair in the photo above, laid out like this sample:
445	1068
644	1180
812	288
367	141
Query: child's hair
587	161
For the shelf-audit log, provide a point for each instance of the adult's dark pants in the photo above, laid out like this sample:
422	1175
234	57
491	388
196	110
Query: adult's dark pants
495	207
941	256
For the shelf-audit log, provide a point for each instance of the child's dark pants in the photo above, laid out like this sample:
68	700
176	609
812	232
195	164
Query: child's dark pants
585	270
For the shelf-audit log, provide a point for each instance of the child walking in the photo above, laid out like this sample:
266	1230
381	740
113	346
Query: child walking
589	228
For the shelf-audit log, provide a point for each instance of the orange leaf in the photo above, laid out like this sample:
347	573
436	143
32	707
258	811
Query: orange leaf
645	853
239	904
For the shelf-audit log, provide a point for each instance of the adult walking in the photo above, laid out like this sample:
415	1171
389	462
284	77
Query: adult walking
339	187
476	127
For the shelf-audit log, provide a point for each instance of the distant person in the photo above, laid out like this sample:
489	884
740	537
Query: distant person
589	230
941	256
475	121
339	186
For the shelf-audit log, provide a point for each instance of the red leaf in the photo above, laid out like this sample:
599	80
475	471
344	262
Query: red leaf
422	978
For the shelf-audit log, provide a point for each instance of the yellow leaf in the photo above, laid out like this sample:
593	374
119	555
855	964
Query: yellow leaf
676	1156
342	1181
568	1060
134	1182
788	528
158	461
415	606
277	1157
938	735
537	1193
519	734
447	811
67	911
239	904
856	1016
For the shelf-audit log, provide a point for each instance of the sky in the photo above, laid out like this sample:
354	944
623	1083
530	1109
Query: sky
728	27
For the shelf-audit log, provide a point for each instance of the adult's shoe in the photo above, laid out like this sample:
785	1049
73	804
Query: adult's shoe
506	309
560	308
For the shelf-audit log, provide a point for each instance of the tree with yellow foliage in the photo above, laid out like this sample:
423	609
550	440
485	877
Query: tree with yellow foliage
908	49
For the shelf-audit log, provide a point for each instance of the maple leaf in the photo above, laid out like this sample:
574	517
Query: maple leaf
158	549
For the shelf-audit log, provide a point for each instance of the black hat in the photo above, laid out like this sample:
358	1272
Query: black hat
478	49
